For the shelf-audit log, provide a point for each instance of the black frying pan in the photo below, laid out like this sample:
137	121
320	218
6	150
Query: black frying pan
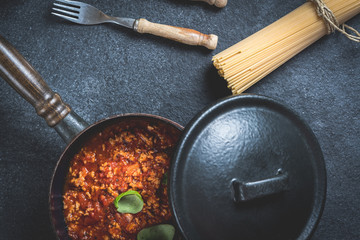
74	130
255	167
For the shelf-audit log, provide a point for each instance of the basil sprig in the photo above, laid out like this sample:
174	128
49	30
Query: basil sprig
164	180
157	232
129	202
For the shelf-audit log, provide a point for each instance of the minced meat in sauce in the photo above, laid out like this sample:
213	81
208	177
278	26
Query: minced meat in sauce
122	157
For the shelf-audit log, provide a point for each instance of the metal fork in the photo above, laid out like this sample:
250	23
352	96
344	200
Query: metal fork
86	14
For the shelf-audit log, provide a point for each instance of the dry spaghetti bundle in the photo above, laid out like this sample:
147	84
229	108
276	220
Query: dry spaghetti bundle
248	61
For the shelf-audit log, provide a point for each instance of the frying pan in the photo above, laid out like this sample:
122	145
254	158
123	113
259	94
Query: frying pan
245	166
16	71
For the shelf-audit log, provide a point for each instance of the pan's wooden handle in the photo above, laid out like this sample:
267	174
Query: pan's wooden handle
15	70
218	3
183	35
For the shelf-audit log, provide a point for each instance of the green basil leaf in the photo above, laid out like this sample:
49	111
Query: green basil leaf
165	179
157	232
129	202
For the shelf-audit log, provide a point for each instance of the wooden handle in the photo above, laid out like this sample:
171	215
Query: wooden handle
16	71
218	3
183	35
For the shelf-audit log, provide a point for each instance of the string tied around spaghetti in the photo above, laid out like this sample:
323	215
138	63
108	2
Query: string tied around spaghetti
332	23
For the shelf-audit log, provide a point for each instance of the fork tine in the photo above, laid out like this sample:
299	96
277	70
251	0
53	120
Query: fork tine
71	19
67	7
72	14
72	3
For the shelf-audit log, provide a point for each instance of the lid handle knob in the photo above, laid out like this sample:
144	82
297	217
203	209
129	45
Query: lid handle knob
246	191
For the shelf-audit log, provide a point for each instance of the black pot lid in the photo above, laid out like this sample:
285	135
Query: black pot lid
247	167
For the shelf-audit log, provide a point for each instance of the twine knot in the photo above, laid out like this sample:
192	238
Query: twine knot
332	23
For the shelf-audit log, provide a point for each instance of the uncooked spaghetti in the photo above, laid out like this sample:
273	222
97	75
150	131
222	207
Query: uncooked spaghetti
251	59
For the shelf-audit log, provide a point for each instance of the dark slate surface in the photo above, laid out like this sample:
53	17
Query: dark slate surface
106	70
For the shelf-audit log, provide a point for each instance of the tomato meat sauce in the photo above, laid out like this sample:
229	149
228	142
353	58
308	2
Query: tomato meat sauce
126	156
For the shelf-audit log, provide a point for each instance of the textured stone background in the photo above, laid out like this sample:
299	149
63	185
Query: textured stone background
106	70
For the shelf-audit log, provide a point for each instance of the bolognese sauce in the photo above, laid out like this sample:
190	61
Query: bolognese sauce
128	156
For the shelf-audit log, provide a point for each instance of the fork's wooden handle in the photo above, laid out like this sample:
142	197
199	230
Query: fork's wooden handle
183	35
218	3
17	72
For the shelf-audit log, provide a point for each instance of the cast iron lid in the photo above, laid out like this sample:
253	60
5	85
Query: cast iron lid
247	167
